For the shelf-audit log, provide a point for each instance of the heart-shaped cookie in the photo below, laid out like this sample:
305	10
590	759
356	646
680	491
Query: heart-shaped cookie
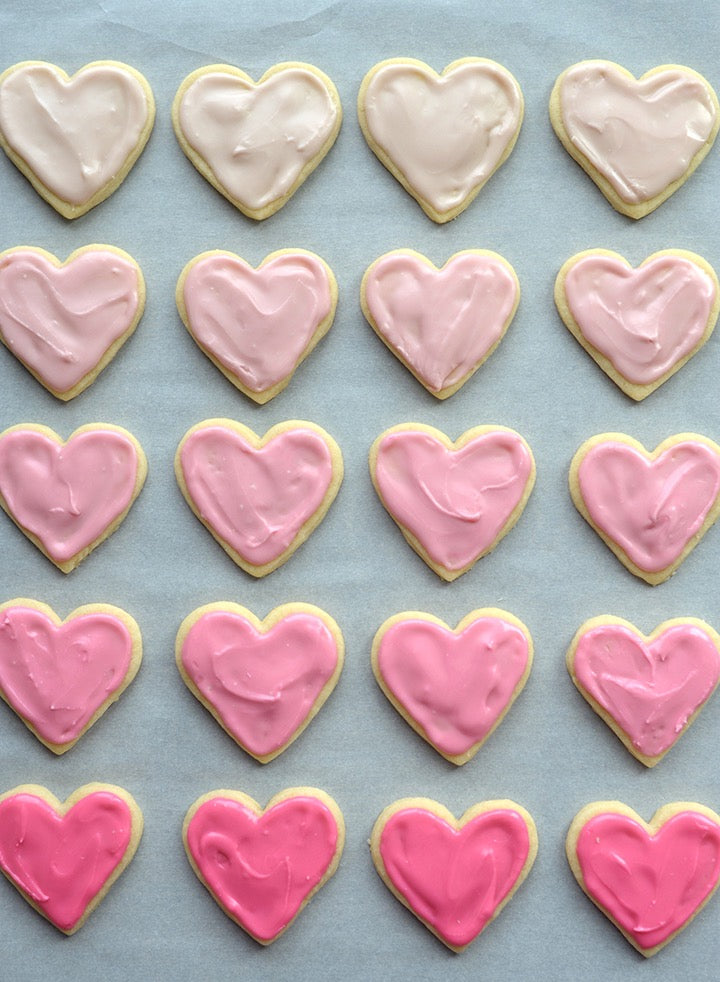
441	136
75	137
257	325
649	879
260	498
454	687
63	857
263	866
452	501
638	139
66	321
650	509
257	142
455	876
442	324
648	689
69	497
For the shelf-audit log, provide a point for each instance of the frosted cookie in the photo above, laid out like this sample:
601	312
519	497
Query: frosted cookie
262	680
257	142
639	325
648	689
291	847
441	136
442	324
75	138
452	501
638	139
650	509
649	878
68	497
66	321
454	876
454	687
60	676
257	325
259	497
63	857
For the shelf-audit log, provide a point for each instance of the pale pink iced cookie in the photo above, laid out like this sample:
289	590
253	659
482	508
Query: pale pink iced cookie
257	142
262	680
638	139
257	325
259	497
60	676
441	136
454	876
650	509
640	325
66	321
75	138
442	324
649	878
454	687
262	866
68	497
648	689
63	857
452	501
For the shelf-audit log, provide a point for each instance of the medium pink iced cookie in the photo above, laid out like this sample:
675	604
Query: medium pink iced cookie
650	509
69	497
442	324
260	498
638	139
648	689
454	876
257	325
66	321
649	879
263	865
63	857
452	501
454	687
639	325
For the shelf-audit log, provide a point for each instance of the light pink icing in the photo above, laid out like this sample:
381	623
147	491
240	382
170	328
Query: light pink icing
650	508
257	322
650	688
256	499
641	135
643	320
63	862
60	320
456	686
454	879
441	322
651	885
262	868
67	494
57	676
455	502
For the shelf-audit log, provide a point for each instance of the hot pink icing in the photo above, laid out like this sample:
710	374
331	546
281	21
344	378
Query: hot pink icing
650	508
63	861
441	322
454	879
455	502
456	686
261	868
57	675
651	885
60	320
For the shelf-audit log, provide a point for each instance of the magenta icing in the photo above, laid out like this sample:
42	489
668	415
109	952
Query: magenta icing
63	861
261	868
